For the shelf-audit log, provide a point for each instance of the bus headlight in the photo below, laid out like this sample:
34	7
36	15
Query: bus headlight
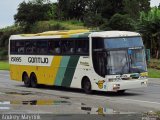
113	79
143	77
144	83
116	86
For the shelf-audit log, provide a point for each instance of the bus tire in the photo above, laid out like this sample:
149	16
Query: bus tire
86	85
26	80
33	79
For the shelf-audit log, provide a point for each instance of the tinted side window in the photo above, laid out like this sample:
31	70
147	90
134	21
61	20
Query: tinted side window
82	47
54	46
19	47
30	47
68	46
97	43
42	47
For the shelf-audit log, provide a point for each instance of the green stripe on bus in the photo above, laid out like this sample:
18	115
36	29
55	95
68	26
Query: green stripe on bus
70	71
74	36
62	70
81	35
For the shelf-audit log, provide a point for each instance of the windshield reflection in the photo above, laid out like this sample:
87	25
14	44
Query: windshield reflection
117	62
121	55
126	61
138	62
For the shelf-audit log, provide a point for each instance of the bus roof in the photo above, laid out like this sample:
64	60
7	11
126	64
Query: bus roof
81	33
107	34
55	34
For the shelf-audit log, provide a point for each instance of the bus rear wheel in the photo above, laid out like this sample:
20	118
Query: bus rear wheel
26	80
86	85
33	79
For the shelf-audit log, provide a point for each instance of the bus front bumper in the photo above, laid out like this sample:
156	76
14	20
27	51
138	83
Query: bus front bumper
126	84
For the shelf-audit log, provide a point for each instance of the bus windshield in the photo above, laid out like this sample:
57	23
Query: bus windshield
126	61
113	56
128	42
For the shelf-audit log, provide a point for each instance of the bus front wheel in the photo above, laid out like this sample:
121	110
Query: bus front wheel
86	85
26	80
33	79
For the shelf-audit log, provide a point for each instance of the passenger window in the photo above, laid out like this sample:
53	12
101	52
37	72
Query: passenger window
42	47
30	47
19	47
68	47
82	46
54	47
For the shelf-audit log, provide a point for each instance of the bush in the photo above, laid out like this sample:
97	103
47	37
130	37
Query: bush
105	26
51	25
57	26
43	26
3	54
93	20
121	22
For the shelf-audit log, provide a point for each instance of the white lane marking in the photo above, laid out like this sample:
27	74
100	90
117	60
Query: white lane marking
4	108
140	101
5	103
4	75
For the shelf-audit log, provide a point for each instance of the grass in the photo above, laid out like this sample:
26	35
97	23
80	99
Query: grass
153	73
154	68
154	63
51	25
4	65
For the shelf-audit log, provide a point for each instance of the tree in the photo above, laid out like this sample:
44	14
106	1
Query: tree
63	9
149	26
93	20
134	7
121	22
107	8
33	11
78	9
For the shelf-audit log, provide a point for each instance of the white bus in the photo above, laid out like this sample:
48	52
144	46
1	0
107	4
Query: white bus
102	61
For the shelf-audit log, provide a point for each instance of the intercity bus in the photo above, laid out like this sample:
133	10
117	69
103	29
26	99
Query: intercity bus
101	61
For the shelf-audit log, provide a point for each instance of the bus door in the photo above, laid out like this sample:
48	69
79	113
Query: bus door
101	63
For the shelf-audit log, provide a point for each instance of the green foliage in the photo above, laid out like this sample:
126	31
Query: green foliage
3	52
120	22
4	65
42	26
154	64
5	34
33	11
154	68
93	20
149	26
78	9
153	73
105	26
134	7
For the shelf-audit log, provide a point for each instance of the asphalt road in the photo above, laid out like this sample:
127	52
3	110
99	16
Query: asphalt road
62	102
